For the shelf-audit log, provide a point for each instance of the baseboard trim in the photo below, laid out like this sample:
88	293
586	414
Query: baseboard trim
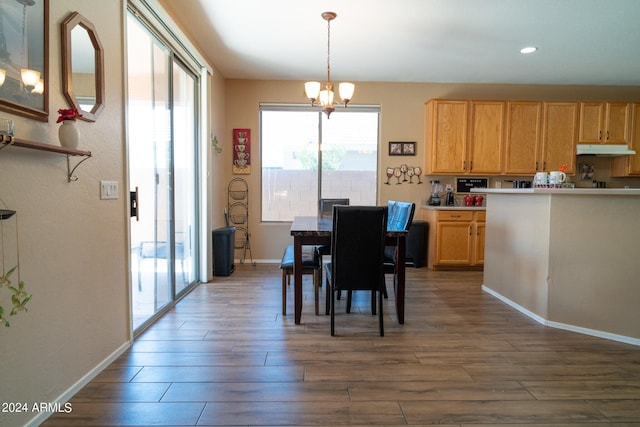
558	325
75	388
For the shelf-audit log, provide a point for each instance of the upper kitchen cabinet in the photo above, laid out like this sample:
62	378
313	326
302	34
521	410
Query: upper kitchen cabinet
486	137
446	136
604	122
629	165
523	138
559	136
464	137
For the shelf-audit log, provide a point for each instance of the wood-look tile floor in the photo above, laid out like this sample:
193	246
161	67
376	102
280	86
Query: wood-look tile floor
226	356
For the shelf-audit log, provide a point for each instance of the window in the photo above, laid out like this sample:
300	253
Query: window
296	172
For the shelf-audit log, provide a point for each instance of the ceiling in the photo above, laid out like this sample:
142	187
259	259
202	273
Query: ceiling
590	42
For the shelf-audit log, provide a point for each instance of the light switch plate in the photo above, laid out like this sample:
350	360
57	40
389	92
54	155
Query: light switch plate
108	190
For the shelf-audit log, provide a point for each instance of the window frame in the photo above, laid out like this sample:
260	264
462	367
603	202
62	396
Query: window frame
287	107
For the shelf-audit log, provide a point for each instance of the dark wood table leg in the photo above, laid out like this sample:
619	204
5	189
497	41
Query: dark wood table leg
400	283
297	277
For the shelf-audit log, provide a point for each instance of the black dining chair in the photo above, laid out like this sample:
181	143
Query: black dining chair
325	210
357	246
325	206
399	218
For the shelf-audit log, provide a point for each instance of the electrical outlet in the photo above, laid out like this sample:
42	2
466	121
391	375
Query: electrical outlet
108	190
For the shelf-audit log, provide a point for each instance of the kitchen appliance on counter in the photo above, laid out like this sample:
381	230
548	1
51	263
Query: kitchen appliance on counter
521	183
450	199
436	189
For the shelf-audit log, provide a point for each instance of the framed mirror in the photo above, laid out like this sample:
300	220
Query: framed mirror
82	66
24	55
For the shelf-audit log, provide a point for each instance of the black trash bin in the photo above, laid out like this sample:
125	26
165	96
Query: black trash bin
223	250
417	243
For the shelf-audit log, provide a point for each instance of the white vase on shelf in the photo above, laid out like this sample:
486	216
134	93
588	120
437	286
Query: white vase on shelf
68	134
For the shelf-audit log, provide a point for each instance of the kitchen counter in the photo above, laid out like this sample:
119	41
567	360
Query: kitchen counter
563	191
568	258
454	208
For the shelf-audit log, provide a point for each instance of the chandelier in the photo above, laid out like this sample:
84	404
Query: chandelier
324	98
30	78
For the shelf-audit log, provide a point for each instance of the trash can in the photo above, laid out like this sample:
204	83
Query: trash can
223	250
417	244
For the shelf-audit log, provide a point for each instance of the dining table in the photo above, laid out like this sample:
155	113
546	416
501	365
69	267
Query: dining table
313	230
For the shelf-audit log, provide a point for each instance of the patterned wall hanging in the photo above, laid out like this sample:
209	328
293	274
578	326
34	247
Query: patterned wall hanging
242	151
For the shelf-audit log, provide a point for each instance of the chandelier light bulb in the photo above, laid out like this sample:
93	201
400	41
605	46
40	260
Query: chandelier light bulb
326	97
312	90
3	75
29	77
346	91
39	87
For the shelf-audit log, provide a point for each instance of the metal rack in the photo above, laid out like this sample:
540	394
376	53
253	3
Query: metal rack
238	216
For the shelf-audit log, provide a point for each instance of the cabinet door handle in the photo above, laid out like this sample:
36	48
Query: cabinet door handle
471	165
600	136
607	135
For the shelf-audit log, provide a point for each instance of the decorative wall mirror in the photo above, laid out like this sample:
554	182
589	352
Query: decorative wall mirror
82	67
24	54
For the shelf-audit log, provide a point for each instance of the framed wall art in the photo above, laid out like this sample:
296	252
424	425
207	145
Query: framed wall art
395	148
24	53
242	151
402	148
408	148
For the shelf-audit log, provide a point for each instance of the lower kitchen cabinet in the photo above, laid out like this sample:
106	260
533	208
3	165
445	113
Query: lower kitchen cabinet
457	238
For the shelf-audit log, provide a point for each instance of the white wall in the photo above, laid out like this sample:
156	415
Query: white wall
74	250
73	246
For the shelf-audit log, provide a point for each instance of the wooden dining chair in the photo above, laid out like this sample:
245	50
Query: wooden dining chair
357	246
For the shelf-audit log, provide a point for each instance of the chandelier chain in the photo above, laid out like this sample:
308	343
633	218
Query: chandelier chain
24	27
329	54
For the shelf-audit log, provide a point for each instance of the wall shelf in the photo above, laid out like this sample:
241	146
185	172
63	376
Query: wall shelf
6	141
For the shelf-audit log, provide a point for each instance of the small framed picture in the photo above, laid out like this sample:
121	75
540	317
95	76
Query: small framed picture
408	148
395	148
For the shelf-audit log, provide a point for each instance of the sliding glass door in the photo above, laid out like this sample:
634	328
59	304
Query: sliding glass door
161	124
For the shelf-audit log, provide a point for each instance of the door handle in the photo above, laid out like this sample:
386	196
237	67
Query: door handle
133	204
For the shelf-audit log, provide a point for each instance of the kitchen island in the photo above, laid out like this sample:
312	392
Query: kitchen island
568	258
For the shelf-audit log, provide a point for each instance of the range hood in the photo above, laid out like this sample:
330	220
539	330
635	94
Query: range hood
604	150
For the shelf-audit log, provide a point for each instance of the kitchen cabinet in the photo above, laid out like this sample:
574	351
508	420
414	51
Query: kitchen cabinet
457	238
523	140
629	165
559	136
464	137
445	136
486	137
604	122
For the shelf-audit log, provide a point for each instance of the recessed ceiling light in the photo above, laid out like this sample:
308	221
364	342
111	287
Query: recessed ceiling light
529	49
